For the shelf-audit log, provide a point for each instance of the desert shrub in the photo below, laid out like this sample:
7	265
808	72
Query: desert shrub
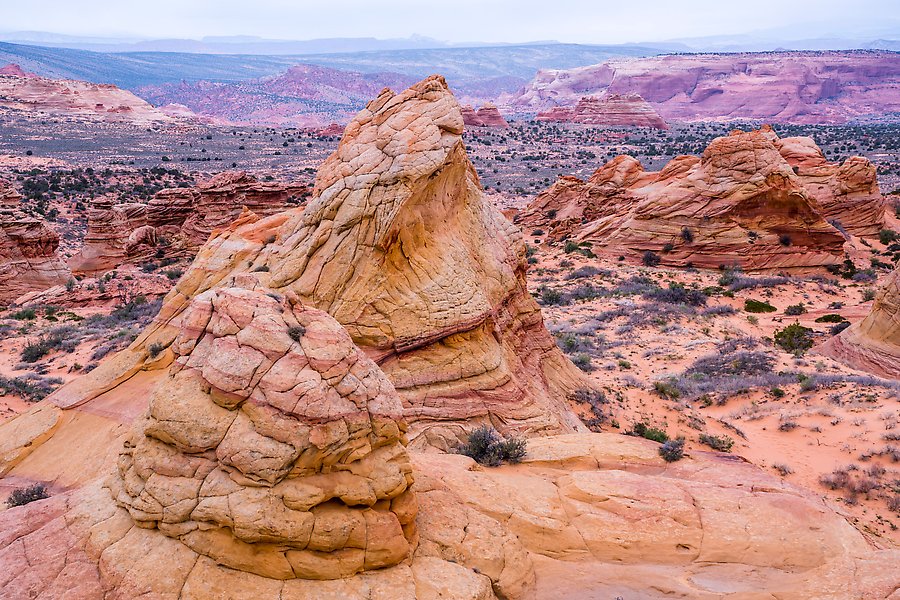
784	239
676	293
585	271
831	318
672	450
261	269
154	349
31	387
36	350
868	295
549	296
837	479
571	247
740	282
795	338
836	329
667	388
648	432
795	309
757	306
487	447
296	332
721	310
687	235
783	469
739	363
651	259
595	400
886	236
722	443
26	314
22	496
583	362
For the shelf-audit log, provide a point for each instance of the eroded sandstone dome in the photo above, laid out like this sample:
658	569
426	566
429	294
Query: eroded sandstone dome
273	445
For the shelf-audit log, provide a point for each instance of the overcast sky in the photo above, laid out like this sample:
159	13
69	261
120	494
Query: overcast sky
585	21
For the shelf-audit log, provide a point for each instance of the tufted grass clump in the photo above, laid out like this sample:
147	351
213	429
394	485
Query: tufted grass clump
722	443
487	447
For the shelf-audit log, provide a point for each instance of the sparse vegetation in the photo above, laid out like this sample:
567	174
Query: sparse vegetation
721	443
23	496
489	448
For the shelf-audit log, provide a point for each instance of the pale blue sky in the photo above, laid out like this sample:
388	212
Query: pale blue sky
586	21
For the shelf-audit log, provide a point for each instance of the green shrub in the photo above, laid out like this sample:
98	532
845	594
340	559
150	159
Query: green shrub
886	236
795	338
722	443
648	432
756	306
666	389
651	259
672	450
26	314
489	448
795	309
831	318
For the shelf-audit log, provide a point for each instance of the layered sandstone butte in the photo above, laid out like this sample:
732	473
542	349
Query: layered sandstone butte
29	92
184	217
873	344
487	115
28	257
782	87
274	445
614	110
752	200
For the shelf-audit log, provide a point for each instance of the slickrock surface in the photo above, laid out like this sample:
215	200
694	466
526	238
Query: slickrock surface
873	344
184	217
28	258
401	247
486	116
751	200
273	445
28	92
615	110
782	87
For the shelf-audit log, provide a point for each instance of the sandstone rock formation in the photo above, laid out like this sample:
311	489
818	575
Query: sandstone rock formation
273	445
401	247
29	92
615	110
751	200
783	87
486	116
28	258
183	217
873	344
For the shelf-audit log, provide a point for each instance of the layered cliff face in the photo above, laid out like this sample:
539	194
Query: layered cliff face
752	200
614	110
873	344
184	217
28	258
486	116
783	87
273	445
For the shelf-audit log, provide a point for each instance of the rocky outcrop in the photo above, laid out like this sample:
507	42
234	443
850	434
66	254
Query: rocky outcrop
873	344
274	445
28	257
741	203
847	193
486	116
782	87
614	110
29	92
183	218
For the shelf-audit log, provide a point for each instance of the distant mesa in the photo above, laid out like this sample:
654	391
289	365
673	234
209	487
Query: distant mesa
28	92
614	110
486	116
873	344
779	87
176	221
751	200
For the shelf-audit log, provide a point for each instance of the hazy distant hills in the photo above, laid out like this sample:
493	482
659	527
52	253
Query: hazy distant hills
461	66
